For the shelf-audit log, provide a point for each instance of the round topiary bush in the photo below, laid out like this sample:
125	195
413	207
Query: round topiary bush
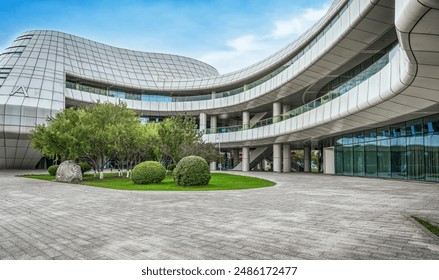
84	167
52	169
192	171
148	172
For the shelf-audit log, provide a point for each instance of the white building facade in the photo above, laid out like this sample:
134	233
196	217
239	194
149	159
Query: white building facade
361	87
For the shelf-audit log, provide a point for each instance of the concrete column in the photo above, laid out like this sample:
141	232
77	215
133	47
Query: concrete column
245	119
307	159
245	159
277	157
286	108
286	152
212	166
213	124
213	94
203	121
277	107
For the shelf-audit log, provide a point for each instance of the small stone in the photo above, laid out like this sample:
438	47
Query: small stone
69	172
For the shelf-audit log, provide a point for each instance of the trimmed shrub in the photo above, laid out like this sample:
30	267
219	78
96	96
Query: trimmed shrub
148	172
85	167
52	169
192	171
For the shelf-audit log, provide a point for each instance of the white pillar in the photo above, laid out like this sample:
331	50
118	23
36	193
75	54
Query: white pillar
245	159
285	108
245	119
328	160
286	152
277	107
203	121
277	157
212	166
307	159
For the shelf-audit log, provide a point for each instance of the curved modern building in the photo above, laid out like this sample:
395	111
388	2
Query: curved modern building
361	86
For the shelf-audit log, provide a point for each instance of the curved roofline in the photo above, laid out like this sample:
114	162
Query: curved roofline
119	48
246	75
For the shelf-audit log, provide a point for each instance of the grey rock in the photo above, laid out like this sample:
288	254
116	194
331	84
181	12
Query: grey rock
69	172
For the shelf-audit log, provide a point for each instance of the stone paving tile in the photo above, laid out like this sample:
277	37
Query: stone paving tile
305	216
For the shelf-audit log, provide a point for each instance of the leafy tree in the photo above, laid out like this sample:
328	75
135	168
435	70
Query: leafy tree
176	132
134	143
92	133
204	150
55	139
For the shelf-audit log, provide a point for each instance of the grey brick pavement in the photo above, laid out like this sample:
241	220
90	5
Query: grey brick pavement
303	217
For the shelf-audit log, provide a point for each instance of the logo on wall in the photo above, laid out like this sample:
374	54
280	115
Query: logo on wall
20	90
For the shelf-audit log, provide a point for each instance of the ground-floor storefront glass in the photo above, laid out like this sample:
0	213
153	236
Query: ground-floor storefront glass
407	150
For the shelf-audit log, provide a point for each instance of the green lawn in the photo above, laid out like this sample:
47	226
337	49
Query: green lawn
432	228
219	181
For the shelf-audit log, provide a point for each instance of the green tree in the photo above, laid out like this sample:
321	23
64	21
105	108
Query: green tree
176	132
54	139
204	150
134	143
93	134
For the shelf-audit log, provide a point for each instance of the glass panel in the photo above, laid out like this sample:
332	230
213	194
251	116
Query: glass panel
370	159
339	159
431	142
415	157
398	158
358	159
383	133
431	124
370	135
383	158
414	127
348	155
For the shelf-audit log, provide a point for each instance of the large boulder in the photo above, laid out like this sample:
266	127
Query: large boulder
69	172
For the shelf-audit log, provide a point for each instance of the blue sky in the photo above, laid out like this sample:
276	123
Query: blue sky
228	34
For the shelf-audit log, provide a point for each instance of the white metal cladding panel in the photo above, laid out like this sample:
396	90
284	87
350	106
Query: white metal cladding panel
276	129
353	97
335	107
300	121
384	84
396	83
327	112
344	103
372	96
363	5
330	39
354	10
363	95
312	117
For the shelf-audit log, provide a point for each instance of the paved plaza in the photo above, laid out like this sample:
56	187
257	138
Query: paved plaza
305	216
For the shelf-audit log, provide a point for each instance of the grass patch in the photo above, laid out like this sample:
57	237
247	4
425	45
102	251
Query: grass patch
432	228
219	181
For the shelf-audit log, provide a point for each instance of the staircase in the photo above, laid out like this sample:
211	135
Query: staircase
257	118
256	156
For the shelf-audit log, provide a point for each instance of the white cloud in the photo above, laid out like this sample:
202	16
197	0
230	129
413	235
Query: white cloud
298	24
247	49
242	51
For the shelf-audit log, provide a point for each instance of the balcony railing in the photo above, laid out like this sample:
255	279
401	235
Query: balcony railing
333	94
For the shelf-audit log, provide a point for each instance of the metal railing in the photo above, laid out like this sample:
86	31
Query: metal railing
333	94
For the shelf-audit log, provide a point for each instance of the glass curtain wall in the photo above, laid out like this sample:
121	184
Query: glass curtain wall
408	150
